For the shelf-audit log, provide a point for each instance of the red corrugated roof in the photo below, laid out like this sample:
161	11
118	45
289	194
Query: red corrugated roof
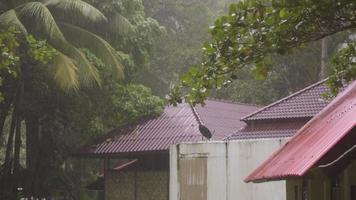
313	141
174	125
304	103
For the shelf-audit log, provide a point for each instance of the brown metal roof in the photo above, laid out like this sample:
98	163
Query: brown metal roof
243	135
312	142
302	104
274	129
223	117
269	129
174	125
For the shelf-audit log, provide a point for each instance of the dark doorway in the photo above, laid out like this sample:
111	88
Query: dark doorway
353	192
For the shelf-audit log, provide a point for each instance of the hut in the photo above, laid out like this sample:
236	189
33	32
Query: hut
136	158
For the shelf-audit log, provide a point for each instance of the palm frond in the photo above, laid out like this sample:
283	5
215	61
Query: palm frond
9	19
39	21
120	25
65	72
87	73
102	49
75	9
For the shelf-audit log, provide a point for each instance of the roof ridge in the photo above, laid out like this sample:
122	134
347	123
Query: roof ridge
285	98
232	102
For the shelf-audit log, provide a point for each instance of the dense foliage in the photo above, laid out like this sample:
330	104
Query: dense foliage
253	32
53	53
58	22
9	58
344	65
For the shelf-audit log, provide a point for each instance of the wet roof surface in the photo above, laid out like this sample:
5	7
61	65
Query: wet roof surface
304	103
174	125
313	141
274	129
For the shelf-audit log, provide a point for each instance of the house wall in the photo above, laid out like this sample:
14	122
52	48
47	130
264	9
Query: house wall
227	164
140	185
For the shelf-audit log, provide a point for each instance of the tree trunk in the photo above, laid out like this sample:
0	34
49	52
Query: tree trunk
32	140
32	143
7	183
323	58
17	158
19	113
9	146
17	147
3	114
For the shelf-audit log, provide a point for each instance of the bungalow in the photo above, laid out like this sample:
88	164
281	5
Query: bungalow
215	170
319	161
136	158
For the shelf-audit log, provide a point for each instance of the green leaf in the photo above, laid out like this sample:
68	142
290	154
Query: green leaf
39	21
65	72
9	19
75	9
283	13
118	24
102	49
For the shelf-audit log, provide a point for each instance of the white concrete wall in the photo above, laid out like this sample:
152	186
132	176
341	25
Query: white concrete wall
227	165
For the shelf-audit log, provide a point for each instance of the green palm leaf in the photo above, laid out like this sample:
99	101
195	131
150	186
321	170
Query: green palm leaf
87	73
9	19
65	72
120	25
102	49
39	21
75	9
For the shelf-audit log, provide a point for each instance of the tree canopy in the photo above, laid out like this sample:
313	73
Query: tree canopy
51	53
57	22
254	31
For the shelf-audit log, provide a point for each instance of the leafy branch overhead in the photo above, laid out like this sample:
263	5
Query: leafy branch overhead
254	31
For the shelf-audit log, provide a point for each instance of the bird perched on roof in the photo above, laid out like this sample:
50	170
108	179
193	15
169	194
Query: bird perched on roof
202	128
205	131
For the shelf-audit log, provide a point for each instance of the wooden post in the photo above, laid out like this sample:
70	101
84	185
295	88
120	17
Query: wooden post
135	185
105	167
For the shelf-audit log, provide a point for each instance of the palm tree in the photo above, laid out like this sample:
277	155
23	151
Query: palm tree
63	23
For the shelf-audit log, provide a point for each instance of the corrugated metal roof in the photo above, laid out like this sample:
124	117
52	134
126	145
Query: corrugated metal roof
223	117
243	135
313	141
304	103
275	129
174	125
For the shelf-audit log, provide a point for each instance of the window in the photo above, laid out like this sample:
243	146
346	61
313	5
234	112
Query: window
192	178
